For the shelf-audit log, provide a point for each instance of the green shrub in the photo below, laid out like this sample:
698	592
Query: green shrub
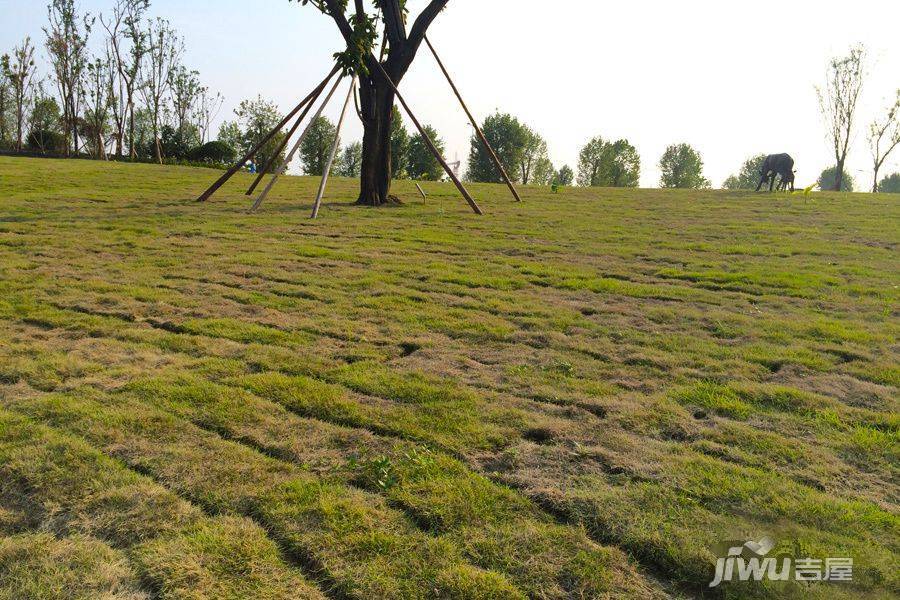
213	152
46	141
828	178
890	184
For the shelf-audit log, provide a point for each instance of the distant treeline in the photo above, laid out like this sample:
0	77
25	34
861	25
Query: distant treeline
134	99
115	87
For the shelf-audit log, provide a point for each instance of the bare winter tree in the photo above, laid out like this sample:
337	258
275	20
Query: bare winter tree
376	93
67	37
164	49
838	101
884	137
19	72
206	110
128	43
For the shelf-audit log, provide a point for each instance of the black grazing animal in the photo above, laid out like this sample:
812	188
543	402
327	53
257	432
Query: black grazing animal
777	165
785	182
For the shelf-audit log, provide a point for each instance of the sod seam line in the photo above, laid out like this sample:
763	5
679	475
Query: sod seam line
313	570
286	544
148	475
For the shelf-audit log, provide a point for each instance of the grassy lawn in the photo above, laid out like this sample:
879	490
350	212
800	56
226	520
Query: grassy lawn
578	396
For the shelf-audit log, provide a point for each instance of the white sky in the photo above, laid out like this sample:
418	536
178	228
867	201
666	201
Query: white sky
731	78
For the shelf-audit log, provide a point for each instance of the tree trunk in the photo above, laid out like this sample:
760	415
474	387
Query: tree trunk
120	118
376	104
75	137
839	176
2	113
20	123
159	156
377	91
132	153
67	127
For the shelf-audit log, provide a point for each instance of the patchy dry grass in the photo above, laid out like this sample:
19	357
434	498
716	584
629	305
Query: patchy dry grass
575	397
42	566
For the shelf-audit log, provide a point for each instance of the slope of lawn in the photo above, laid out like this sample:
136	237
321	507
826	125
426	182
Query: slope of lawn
579	396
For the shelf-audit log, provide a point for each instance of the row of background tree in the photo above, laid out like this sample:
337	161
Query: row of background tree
136	100
839	104
605	163
617	164
410	156
126	95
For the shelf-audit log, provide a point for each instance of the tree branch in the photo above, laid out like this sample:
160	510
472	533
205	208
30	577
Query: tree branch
426	18
333	8
394	26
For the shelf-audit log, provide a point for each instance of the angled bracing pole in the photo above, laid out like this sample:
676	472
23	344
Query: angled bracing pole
428	142
268	168
287	159
334	149
481	136
237	166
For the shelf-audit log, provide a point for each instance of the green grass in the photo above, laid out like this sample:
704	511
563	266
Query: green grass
574	397
43	566
117	528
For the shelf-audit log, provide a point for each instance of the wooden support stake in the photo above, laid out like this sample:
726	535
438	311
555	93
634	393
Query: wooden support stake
268	168
237	166
334	149
421	191
481	136
428	142
290	156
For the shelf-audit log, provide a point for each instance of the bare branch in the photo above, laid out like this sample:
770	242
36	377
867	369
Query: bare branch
890	127
334	9
426	18
838	101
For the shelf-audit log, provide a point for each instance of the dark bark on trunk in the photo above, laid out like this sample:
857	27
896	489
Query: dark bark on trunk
376	104
156	140
75	136
20	124
2	113
839	176
120	133
376	93
132	152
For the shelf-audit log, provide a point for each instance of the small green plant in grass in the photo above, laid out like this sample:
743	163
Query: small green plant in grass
379	472
385	473
561	367
806	192
716	397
